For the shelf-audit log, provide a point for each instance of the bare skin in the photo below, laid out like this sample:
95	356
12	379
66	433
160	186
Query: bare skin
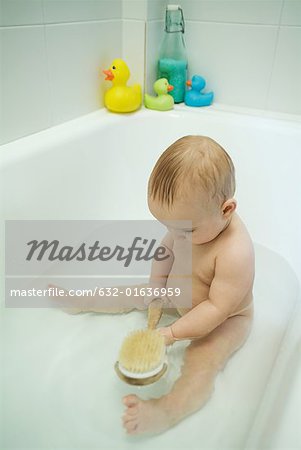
204	358
214	285
219	319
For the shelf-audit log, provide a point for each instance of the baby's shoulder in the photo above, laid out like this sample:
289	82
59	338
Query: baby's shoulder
236	241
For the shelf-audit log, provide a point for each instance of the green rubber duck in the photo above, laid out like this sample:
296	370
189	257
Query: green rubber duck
164	101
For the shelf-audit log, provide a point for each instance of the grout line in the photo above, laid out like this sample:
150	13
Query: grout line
60	23
49	87
240	24
274	59
144	60
228	23
132	20
4	27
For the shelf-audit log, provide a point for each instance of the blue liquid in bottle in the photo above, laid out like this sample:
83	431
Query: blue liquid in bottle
176	73
172	59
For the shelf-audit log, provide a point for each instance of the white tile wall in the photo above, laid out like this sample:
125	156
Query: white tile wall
154	32
233	11
249	51
291	14
134	9
76	56
52	50
52	53
285	90
24	82
21	12
57	11
235	60
133	52
156	9
144	9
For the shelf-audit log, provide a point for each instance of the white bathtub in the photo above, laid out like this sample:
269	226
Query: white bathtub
59	387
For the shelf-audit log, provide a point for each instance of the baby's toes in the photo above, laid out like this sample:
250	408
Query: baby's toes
131	426
130	412
126	418
131	400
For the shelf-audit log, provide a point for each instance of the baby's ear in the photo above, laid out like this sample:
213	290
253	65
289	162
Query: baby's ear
229	207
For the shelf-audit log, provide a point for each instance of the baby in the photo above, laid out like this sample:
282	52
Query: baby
194	180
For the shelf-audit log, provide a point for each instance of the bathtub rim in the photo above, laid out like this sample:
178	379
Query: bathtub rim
28	145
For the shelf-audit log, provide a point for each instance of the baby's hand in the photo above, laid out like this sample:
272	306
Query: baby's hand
167	333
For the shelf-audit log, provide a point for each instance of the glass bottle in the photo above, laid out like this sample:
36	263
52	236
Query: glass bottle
172	57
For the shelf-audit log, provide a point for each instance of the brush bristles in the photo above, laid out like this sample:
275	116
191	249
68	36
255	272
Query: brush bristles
142	350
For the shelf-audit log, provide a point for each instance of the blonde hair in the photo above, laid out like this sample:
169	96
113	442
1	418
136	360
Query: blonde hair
193	162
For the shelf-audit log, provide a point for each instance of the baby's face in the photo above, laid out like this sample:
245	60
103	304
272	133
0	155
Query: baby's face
206	224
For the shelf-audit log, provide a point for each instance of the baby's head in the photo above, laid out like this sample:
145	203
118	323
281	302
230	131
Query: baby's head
194	179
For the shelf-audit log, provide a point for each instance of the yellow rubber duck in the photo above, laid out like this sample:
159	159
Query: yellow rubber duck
121	98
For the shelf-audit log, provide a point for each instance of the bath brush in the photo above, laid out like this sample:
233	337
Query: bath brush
142	357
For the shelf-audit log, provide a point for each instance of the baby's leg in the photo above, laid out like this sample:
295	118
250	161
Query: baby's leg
77	304
203	359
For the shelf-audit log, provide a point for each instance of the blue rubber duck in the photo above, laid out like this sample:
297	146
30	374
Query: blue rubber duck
194	96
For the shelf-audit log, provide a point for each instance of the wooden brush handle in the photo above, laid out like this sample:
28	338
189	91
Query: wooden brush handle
155	310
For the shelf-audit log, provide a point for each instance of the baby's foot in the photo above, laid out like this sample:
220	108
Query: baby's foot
142	416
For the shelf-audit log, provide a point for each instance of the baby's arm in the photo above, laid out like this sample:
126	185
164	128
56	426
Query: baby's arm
159	274
160	269
234	274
